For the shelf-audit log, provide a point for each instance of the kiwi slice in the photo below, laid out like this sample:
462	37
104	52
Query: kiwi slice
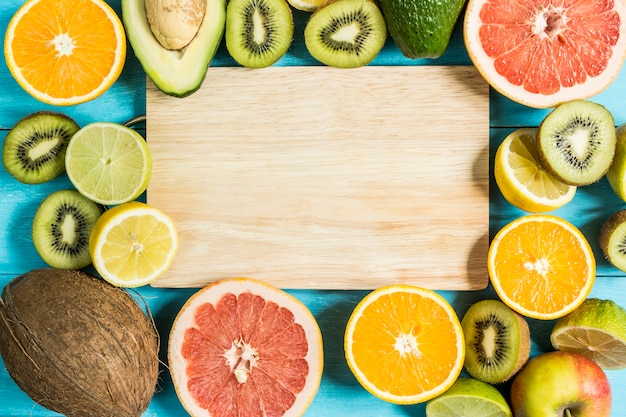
613	239
34	149
616	175
346	33
577	141
61	229
497	341
258	32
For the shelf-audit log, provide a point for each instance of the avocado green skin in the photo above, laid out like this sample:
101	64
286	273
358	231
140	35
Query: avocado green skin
175	73
422	28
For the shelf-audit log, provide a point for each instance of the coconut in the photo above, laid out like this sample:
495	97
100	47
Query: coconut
78	345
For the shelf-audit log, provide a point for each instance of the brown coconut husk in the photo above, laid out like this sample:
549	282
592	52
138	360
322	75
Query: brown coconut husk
78	345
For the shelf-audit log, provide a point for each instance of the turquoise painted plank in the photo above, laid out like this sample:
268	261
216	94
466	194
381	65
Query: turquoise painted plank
339	394
506	113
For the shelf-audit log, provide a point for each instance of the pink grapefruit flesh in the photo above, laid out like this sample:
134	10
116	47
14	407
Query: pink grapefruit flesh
541	53
240	347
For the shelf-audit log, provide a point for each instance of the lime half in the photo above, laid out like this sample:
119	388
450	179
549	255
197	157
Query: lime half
109	163
595	329
469	397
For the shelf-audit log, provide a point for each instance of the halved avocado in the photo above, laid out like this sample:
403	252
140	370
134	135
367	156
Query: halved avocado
175	72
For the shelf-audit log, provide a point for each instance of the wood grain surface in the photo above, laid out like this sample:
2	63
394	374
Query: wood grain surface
340	394
312	177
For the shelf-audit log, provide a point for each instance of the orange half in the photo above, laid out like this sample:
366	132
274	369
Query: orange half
541	266
65	53
404	344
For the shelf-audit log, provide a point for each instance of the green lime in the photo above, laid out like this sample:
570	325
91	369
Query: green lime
595	329
469	397
109	163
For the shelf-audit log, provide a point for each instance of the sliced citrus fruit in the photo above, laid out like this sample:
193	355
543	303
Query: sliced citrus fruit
404	344
133	244
469	397
65	52
541	266
597	330
545	53
108	162
241	347
522	180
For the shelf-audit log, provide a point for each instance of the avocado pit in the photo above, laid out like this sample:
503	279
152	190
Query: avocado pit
175	23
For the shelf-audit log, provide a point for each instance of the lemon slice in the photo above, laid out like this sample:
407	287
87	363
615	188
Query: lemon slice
596	330
522	180
109	163
133	244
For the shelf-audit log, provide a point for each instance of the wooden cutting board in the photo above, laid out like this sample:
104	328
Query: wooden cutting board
323	178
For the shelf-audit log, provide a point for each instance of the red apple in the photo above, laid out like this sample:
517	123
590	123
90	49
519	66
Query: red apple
561	384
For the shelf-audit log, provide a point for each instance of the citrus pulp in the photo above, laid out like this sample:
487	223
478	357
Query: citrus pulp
596	329
521	178
469	397
65	52
404	344
541	266
133	244
108	163
541	54
241	347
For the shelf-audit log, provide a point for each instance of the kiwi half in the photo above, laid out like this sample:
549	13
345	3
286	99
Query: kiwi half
497	341
346	33
576	142
613	239
61	229
34	149
258	32
616	175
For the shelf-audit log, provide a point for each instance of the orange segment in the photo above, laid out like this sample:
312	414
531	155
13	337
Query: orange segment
541	266
65	53
404	344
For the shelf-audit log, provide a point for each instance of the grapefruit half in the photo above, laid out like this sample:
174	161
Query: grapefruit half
241	347
543	53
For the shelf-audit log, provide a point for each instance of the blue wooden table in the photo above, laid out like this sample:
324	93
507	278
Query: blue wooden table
339	394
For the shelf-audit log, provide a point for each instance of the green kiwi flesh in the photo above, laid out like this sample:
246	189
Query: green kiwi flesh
258	32
497	341
346	33
577	141
34	149
61	229
613	239
616	175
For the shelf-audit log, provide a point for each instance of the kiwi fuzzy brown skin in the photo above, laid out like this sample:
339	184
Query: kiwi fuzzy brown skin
39	131
241	28
612	239
61	228
78	345
492	323
568	120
